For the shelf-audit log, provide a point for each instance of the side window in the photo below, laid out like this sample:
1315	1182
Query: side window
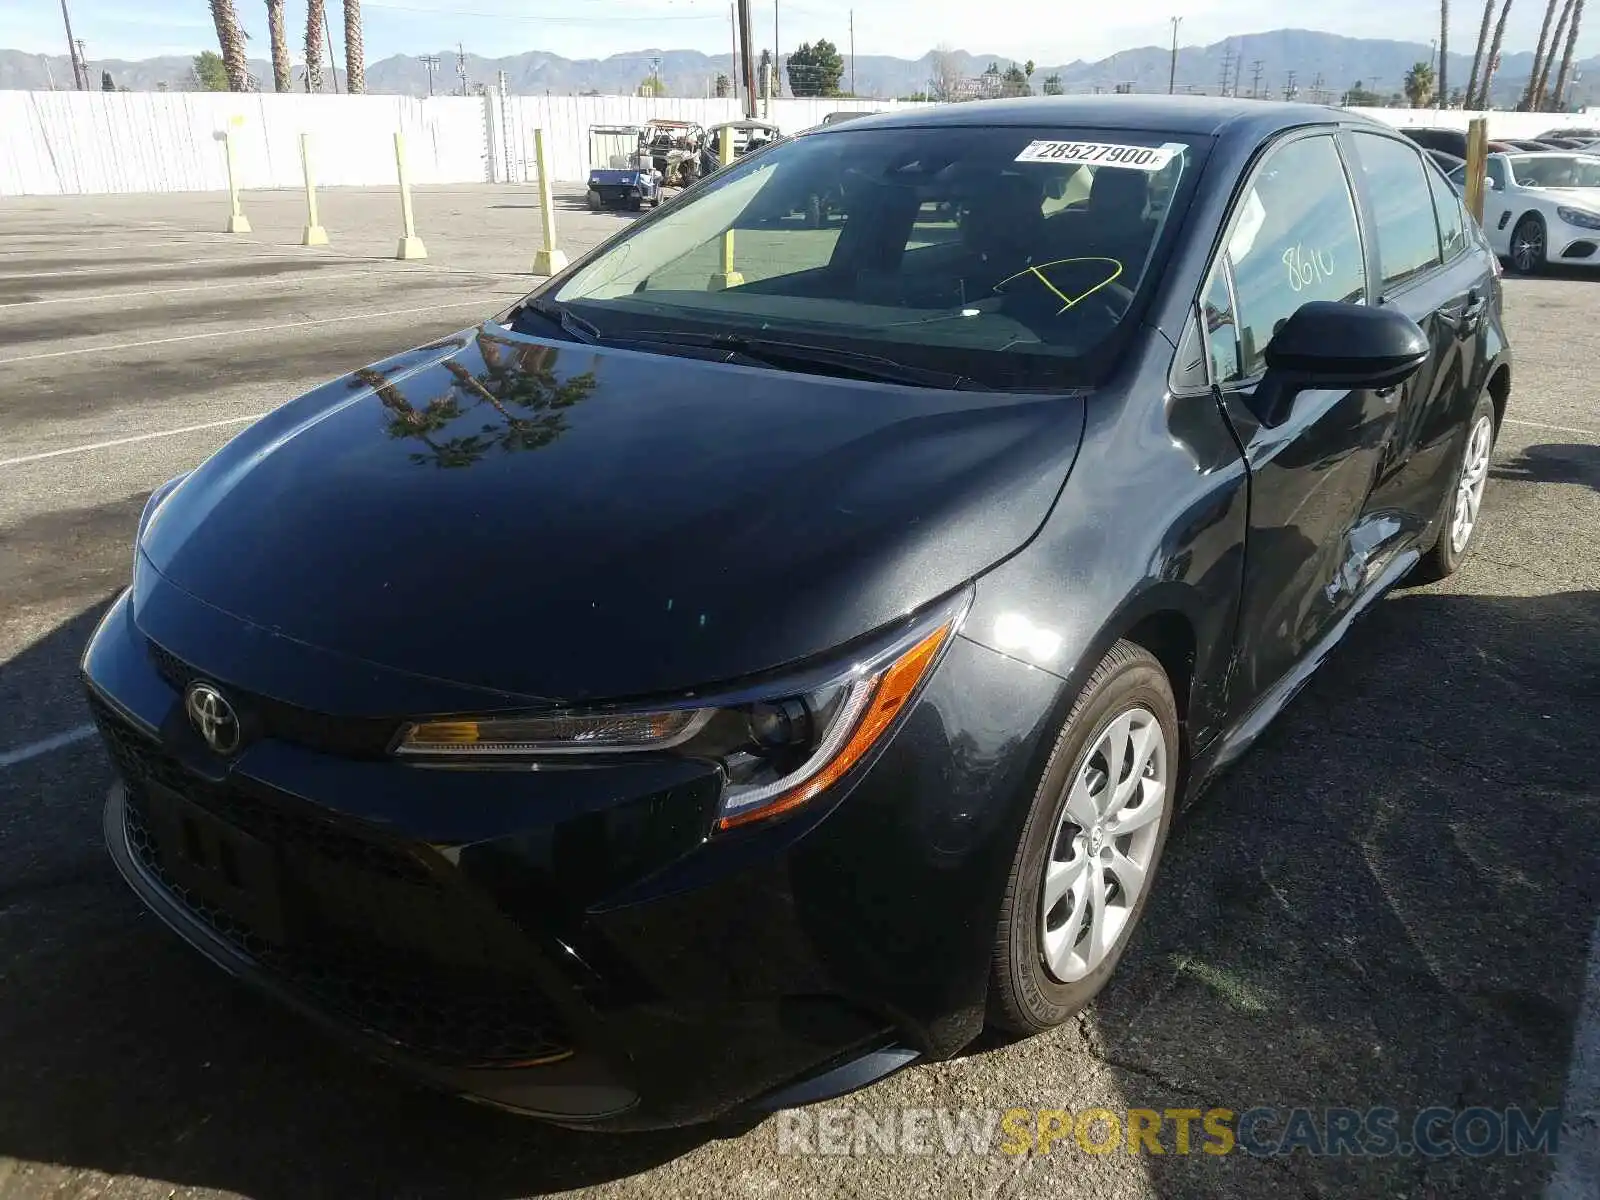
1295	239
1408	232
1447	207
1497	172
1221	328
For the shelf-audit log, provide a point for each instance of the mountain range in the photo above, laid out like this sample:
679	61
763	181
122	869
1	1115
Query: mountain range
1317	65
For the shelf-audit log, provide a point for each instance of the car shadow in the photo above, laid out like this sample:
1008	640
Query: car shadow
1388	902
1554	463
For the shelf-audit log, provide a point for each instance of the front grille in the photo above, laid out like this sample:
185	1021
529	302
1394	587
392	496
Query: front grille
376	934
348	737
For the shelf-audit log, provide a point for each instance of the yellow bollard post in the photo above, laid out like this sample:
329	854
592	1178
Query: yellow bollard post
237	221
315	234
410	244
727	277
1477	165
549	260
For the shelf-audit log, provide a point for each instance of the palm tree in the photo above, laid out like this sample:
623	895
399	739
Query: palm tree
1528	96
1477	58
1493	64
1541	83
355	63
230	39
281	79
1419	85
316	22
1565	74
1443	90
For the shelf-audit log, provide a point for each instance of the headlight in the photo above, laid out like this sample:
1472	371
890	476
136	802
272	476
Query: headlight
776	750
1580	218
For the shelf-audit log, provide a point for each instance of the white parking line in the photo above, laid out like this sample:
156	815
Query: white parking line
1577	1174
1553	428
7	277
481	302
11	758
197	287
128	441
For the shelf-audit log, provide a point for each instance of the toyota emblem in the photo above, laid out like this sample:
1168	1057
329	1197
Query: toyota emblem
213	717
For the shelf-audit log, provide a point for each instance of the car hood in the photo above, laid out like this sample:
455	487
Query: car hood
566	522
1587	199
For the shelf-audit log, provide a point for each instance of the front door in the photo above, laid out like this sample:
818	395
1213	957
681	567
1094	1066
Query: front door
1293	238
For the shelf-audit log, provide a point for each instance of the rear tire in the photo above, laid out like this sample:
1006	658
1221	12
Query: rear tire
1459	520
1100	815
594	201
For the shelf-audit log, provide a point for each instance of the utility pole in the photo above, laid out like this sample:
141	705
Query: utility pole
1227	69
852	52
1172	64
83	61
733	59
333	63
747	59
72	49
461	66
777	60
1289	89
1255	80
1319	94
431	61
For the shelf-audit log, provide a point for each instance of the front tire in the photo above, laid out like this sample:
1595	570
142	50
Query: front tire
1527	245
1460	519
1090	846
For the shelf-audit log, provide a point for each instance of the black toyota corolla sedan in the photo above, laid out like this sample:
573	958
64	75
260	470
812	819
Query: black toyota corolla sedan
776	649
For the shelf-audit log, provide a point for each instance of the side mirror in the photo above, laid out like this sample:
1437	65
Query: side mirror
1330	344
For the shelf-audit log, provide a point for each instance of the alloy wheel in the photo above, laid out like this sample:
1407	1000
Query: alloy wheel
1104	845
1527	246
1474	477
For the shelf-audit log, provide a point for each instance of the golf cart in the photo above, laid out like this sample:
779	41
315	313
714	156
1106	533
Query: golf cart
620	173
747	135
673	149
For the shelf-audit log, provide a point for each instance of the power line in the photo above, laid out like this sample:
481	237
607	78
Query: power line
510	16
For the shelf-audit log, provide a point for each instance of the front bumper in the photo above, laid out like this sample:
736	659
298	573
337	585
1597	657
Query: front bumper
569	953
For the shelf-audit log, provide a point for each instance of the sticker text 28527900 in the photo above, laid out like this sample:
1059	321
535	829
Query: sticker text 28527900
1139	158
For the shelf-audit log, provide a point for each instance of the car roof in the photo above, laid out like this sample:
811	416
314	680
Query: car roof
1201	115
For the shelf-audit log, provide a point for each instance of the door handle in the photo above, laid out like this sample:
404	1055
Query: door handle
1468	320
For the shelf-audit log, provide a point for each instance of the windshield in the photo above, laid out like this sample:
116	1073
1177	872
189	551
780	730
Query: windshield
1555	170
1005	255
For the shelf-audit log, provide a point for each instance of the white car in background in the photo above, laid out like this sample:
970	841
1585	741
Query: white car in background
1541	207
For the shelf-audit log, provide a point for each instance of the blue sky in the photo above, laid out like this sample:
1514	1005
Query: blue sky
595	28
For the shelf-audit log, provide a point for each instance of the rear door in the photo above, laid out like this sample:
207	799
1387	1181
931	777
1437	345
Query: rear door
1293	238
1421	264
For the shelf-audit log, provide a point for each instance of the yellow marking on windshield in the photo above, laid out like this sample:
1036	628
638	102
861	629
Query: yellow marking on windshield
1066	301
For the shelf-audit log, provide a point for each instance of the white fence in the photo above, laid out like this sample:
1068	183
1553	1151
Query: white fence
85	143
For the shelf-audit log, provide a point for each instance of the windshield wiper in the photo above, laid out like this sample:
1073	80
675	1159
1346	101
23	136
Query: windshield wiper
776	352
571	324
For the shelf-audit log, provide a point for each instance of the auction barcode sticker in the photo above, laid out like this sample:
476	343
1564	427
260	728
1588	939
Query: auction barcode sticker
1139	158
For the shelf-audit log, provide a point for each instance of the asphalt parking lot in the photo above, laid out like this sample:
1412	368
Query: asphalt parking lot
1391	901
